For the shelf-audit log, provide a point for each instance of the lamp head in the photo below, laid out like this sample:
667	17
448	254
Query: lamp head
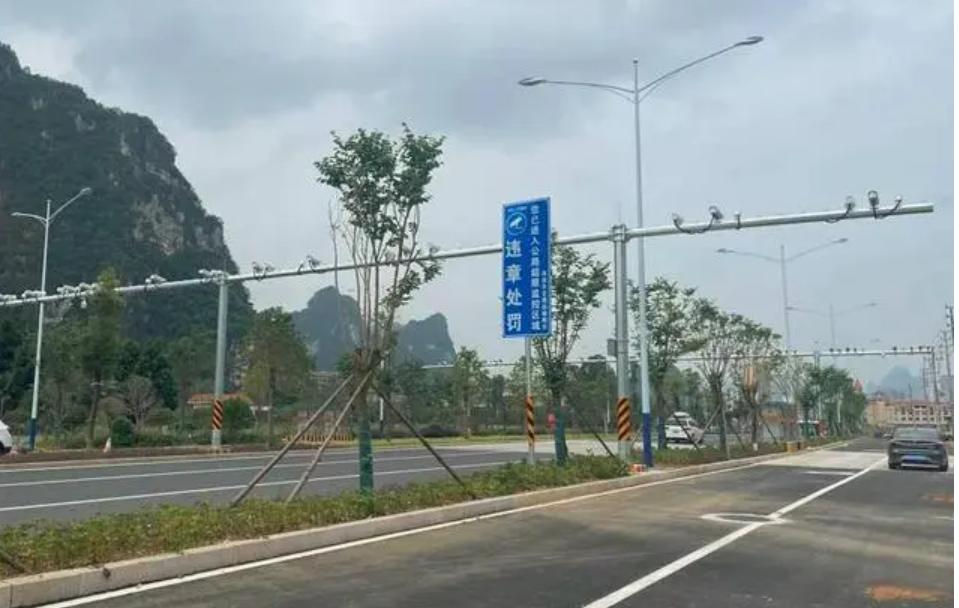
750	41
531	81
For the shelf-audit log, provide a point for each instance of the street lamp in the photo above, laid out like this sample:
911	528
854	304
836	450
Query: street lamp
783	261
831	314
46	221
635	96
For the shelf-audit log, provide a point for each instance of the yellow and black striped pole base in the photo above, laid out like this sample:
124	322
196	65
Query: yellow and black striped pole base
217	415
530	422
624	431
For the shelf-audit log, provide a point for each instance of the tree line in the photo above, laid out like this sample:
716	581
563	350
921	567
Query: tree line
93	372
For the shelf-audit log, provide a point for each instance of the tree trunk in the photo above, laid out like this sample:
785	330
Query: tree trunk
559	433
365	440
660	398
94	410
719	406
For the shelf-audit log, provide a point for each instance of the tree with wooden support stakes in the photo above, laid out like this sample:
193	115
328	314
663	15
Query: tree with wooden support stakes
381	186
757	358
578	280
672	332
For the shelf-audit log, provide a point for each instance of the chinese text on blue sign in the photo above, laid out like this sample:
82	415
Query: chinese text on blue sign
527	275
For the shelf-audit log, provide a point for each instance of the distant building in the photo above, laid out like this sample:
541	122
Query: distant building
882	411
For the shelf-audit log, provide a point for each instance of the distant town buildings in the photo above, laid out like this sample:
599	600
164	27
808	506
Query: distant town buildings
884	411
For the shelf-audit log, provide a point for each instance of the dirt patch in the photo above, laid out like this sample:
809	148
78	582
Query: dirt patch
940	498
891	593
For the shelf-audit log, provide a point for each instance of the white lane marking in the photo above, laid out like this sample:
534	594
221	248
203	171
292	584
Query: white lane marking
47	482
267	484
837	473
654	577
107	595
169	460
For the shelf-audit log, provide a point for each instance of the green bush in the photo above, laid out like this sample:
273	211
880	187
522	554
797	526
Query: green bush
153	439
237	416
42	546
122	433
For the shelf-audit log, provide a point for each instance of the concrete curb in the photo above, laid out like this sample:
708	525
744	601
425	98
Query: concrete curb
63	585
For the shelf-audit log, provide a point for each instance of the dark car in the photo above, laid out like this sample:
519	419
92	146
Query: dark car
917	446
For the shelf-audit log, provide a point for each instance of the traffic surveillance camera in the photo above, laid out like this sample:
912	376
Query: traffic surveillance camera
850	204
873	199
715	213
677	219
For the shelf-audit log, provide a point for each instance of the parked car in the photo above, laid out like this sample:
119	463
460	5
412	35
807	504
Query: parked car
917	446
6	440
681	428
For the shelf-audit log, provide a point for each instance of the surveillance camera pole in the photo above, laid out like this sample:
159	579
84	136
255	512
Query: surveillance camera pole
46	220
216	439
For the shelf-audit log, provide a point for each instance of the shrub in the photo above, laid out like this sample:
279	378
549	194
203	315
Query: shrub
237	416
41	546
122	433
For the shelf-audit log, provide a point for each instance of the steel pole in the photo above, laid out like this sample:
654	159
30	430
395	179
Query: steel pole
642	332
623	430
216	436
782	272
528	404
35	398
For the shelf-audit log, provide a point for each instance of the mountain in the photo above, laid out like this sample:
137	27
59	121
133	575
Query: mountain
142	217
900	383
330	326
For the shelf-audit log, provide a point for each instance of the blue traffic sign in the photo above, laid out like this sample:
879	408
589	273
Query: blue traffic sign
527	271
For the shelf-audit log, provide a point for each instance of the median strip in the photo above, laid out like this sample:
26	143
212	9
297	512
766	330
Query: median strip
173	541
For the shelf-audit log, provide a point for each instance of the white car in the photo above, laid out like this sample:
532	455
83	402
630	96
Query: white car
681	428
6	440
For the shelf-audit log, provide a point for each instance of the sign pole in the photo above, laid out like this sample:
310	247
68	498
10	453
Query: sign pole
624	431
530	411
527	288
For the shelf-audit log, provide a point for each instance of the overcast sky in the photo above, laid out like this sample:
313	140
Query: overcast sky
843	96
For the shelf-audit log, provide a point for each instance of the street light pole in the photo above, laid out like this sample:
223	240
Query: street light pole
635	95
782	271
46	220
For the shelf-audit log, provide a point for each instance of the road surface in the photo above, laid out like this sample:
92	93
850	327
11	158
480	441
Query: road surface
850	533
76	490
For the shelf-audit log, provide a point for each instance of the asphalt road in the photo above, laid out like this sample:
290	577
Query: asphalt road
76	490
849	533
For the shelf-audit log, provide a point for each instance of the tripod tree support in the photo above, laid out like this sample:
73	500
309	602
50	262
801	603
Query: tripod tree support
286	448
589	427
425	443
329	437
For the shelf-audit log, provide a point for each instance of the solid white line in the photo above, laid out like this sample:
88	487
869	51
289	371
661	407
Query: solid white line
47	482
671	568
267	484
83	601
13	469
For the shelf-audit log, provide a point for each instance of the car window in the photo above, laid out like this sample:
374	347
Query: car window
926	434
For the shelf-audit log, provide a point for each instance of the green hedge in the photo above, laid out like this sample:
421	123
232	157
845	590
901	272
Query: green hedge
43	546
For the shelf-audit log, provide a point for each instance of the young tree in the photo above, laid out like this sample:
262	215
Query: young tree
790	380
101	342
757	356
578	281
718	333
191	364
589	389
61	373
672	329
140	398
279	363
382	187
16	363
469	378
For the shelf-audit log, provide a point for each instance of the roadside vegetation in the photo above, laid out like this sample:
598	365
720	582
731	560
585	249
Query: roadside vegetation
43	546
